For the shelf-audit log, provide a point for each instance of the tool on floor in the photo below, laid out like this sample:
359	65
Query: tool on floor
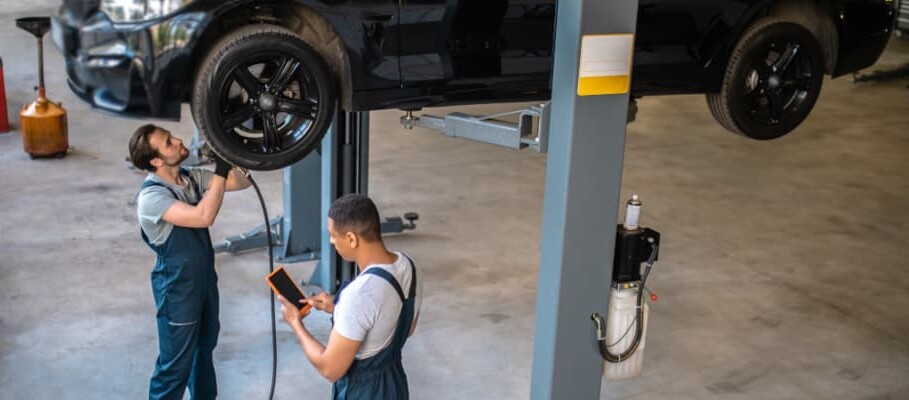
43	122
4	119
627	311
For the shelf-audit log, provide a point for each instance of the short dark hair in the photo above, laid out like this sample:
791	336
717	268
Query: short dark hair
140	151
356	213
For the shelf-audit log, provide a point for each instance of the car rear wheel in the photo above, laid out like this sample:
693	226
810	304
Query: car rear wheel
263	98
772	81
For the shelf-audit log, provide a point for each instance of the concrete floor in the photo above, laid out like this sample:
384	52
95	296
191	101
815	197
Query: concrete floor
783	273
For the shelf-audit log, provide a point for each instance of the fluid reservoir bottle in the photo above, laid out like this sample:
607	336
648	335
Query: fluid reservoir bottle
620	328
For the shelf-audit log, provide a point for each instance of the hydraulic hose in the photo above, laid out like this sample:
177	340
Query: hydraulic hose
271	268
638	319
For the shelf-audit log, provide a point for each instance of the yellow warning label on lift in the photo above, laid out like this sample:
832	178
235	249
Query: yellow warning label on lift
605	65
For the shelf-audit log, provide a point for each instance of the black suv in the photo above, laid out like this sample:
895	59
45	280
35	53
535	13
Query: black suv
265	77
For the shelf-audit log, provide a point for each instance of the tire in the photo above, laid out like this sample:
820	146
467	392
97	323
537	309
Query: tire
263	98
772	81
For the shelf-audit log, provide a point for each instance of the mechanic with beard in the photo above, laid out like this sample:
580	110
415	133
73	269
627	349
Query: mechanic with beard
175	207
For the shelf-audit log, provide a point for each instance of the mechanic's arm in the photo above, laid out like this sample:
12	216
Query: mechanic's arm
201	215
331	361
237	180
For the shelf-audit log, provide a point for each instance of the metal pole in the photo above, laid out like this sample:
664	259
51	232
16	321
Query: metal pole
347	171
583	178
300	224
327	271
363	162
41	62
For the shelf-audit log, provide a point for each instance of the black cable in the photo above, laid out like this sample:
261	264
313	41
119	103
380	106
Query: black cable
628	329
271	268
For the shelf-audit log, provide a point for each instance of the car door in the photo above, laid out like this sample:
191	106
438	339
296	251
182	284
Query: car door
477	47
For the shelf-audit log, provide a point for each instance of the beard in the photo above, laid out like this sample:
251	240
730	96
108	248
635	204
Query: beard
183	156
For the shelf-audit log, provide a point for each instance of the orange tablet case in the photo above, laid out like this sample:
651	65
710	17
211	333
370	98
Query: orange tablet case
281	283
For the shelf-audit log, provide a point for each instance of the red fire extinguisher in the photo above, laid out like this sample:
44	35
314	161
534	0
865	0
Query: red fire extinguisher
4	119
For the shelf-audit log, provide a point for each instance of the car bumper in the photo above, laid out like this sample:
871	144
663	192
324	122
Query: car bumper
127	69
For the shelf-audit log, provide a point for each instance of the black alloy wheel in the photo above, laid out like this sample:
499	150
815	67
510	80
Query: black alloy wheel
772	82
264	98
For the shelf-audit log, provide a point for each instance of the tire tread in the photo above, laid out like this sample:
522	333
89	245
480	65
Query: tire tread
211	63
719	103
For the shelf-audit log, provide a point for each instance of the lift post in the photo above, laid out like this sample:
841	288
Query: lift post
583	179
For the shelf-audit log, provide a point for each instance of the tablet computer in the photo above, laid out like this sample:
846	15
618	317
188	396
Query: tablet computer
281	283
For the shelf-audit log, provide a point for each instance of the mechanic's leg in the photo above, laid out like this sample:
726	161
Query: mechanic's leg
202	382
177	342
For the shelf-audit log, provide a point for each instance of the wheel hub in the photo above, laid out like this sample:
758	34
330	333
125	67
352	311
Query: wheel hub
773	81
267	102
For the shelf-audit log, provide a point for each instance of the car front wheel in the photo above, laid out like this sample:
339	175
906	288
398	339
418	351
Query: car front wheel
772	81
263	98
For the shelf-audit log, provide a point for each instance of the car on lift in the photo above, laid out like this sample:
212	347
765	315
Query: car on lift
265	77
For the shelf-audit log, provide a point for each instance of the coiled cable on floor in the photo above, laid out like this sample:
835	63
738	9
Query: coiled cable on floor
271	268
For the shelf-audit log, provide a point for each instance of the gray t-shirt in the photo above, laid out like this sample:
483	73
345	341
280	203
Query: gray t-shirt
153	201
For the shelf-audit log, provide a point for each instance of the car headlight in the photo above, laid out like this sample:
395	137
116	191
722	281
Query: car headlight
139	10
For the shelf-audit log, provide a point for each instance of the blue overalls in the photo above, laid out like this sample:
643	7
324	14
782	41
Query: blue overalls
382	375
184	284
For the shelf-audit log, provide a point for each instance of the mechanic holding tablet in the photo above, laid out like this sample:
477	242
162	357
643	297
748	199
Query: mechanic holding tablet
372	316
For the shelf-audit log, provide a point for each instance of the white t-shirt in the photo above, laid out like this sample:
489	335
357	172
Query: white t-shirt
369	307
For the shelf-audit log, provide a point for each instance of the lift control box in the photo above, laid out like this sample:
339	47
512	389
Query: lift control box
632	247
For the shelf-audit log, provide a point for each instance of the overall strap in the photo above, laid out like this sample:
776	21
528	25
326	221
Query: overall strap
149	183
394	282
413	280
146	184
185	173
192	183
381	273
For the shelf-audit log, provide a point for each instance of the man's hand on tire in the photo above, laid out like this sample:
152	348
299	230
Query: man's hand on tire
222	168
